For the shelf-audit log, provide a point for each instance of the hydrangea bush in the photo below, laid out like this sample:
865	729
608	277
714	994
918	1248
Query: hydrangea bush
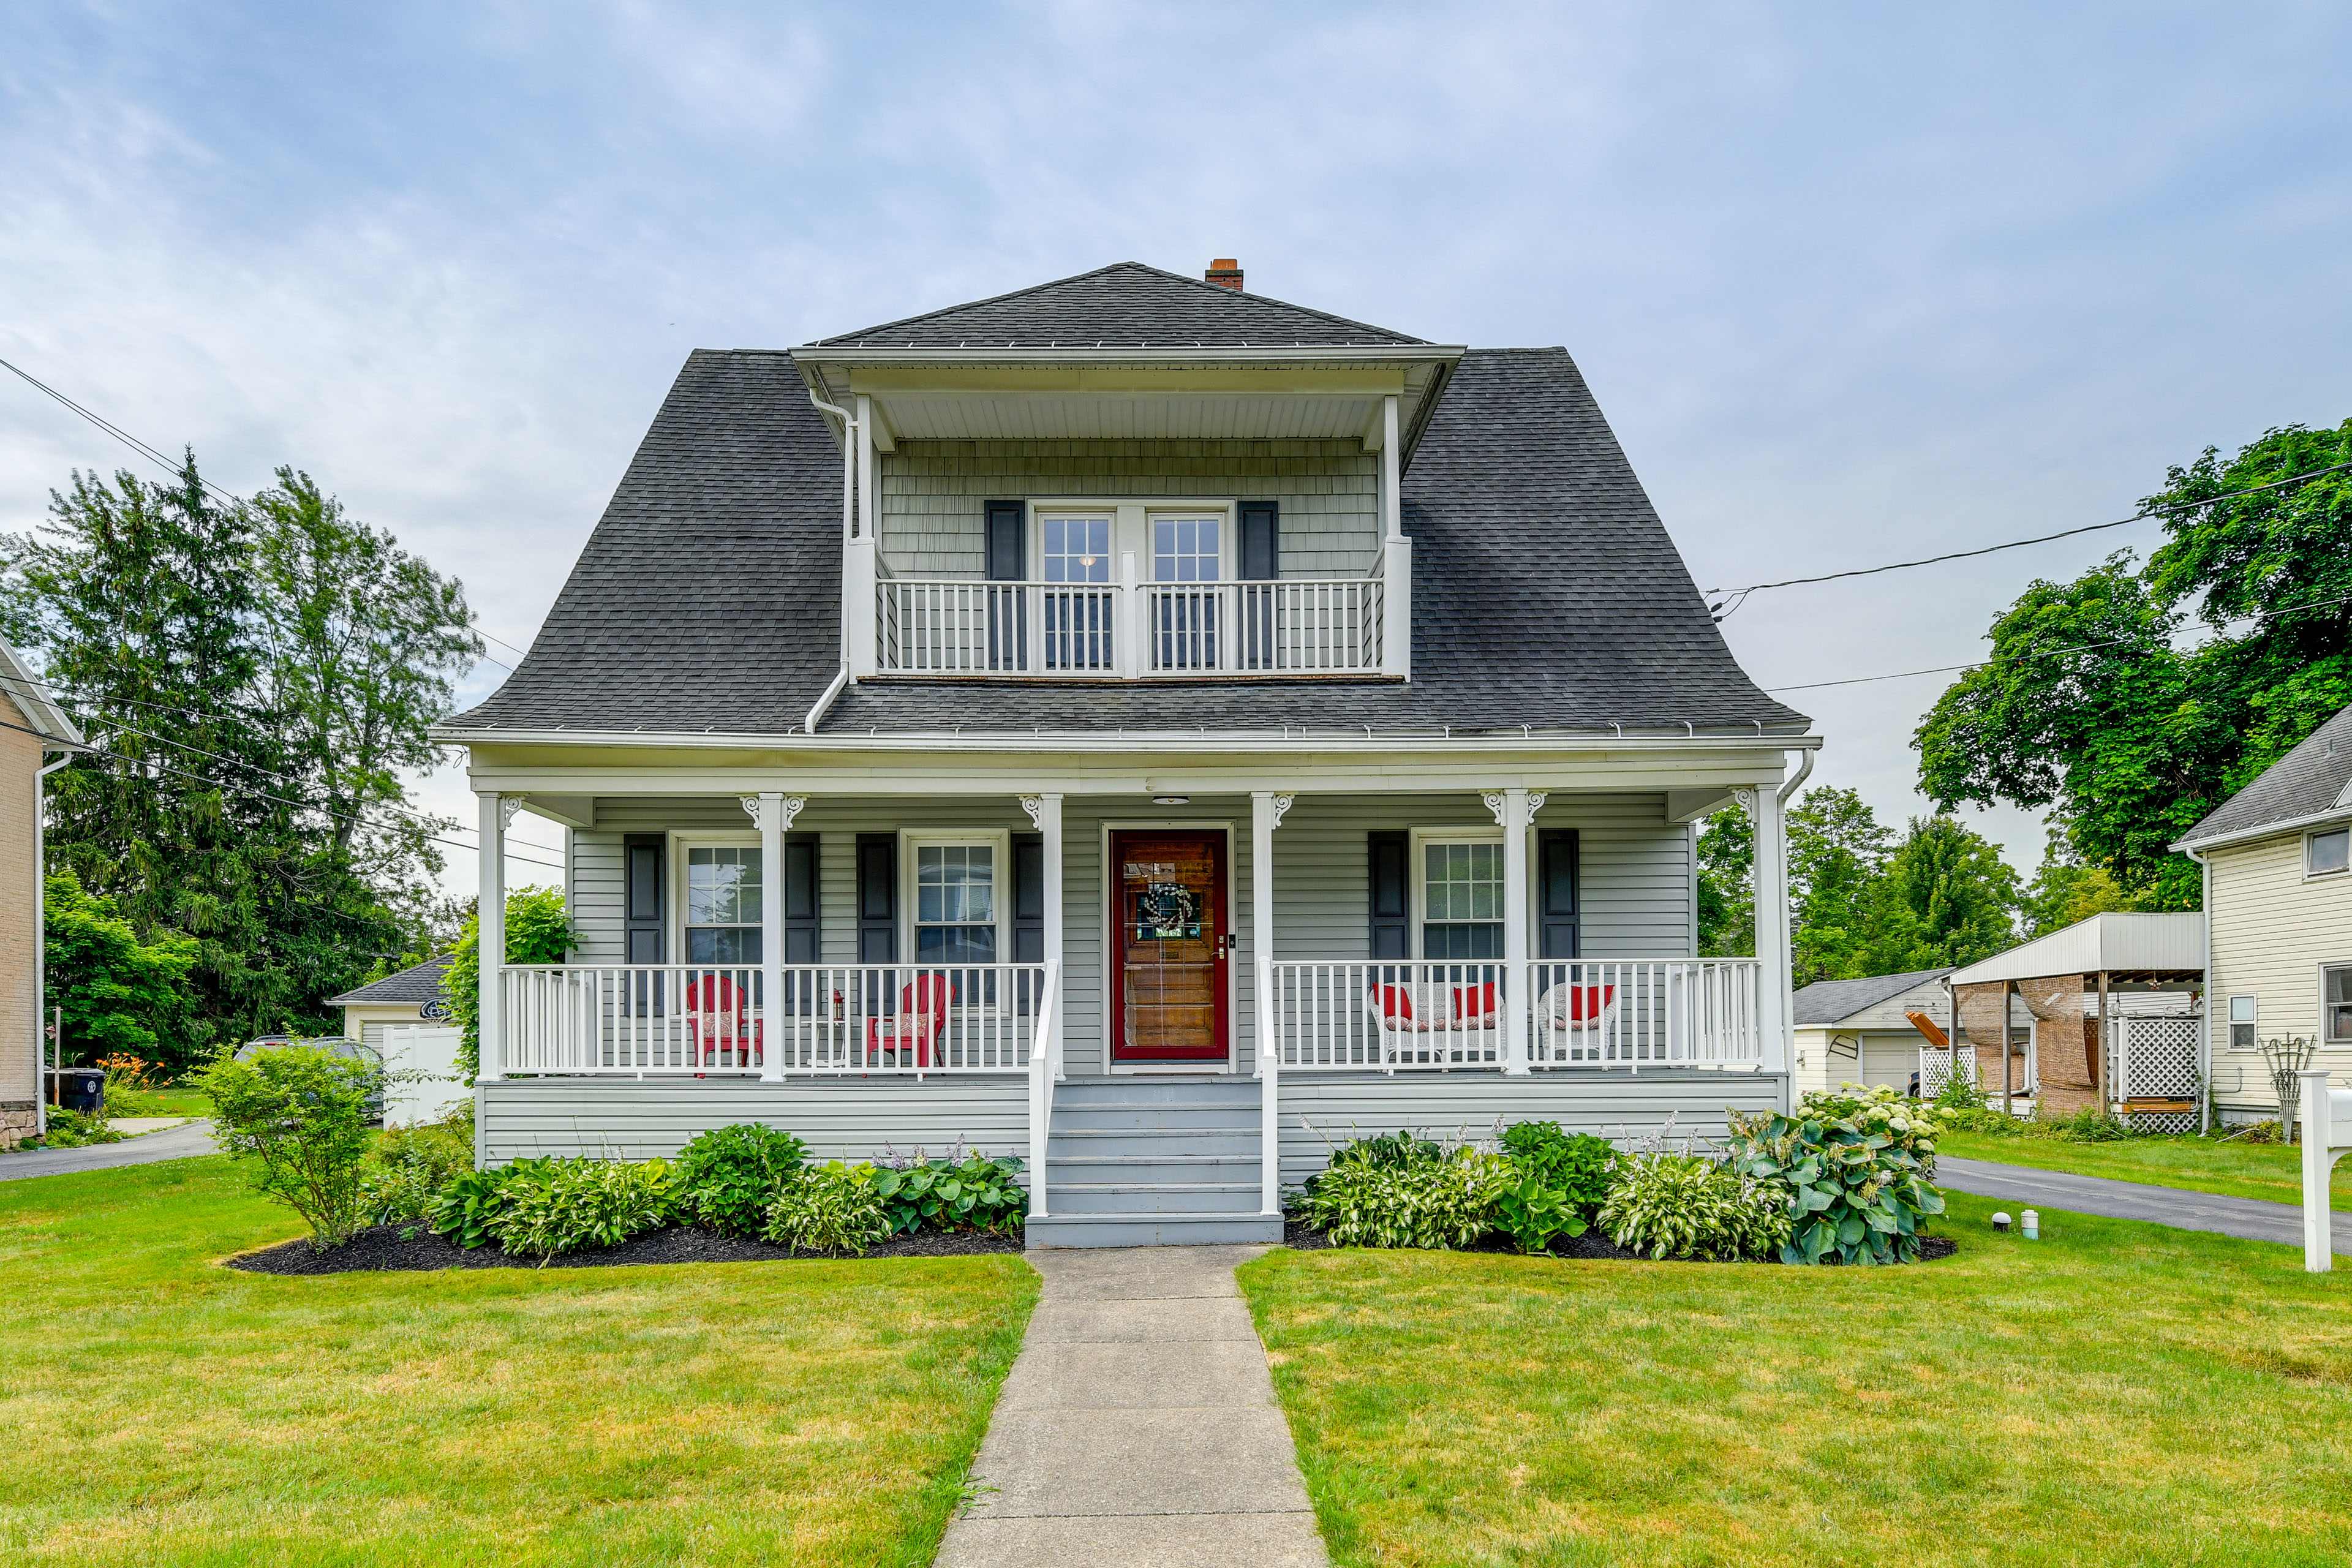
1857	1168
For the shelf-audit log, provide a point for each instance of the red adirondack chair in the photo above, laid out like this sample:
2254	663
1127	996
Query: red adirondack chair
721	1031
922	1019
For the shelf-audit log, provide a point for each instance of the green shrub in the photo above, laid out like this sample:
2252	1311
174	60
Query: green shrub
1578	1165
728	1176
71	1129
1534	1214
469	1205
1390	1151
1959	1095
833	1209
557	1206
405	1171
975	1193
1425	1197
2091	1125
305	1116
1682	1205
1856	1167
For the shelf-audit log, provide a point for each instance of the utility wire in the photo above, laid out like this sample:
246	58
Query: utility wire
1735	597
2041	652
168	465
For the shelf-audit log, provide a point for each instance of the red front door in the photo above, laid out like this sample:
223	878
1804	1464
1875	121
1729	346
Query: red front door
1168	946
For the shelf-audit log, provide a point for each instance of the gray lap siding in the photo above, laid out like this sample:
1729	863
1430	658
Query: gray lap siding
1634	875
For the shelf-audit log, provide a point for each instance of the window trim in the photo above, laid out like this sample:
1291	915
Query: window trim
2327	1039
1225	511
1130	528
2253	1020
2312	837
679	846
911	840
1417	892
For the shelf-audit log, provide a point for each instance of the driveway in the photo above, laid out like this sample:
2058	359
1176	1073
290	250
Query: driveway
2249	1218
183	1142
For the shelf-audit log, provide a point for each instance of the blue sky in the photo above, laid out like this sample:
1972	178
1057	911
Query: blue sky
1852	282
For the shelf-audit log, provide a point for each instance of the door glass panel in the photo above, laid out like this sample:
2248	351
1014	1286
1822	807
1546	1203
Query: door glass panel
1075	550
1186	550
1167	938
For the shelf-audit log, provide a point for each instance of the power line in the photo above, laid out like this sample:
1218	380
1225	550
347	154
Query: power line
2039	652
1735	597
168	465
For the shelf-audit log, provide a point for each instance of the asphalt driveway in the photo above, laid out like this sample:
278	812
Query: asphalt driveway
183	1143
2249	1218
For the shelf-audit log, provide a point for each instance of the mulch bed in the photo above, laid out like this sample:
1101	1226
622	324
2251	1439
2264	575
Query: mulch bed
379	1250
1297	1233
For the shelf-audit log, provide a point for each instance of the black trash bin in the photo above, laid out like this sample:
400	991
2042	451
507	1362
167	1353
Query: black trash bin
81	1088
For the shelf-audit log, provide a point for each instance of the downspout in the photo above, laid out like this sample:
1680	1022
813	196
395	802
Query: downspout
40	950
1786	978
832	693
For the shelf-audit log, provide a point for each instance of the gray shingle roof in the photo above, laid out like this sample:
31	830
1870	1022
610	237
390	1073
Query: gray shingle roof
420	984
1124	305
1546	591
2313	778
1828	1000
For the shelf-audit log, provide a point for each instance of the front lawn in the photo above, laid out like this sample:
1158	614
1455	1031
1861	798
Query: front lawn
178	1099
2234	1170
164	1410
2113	1394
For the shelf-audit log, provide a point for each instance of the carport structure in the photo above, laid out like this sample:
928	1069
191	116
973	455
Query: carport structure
2079	985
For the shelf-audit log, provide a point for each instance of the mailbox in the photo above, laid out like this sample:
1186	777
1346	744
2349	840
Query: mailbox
2327	1136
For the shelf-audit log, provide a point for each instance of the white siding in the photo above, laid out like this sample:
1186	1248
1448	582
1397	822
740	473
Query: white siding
2273	931
840	1118
1828	1058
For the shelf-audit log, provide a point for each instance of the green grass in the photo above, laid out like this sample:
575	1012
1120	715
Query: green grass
162	1410
176	1101
2200	1164
2114	1394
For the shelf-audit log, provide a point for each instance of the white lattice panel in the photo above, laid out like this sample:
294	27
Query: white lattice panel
2159	1062
1935	1069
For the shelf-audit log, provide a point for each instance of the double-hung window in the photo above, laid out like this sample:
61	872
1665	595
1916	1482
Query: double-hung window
2242	1023
723	894
956	902
2327	854
1460	905
2335	1004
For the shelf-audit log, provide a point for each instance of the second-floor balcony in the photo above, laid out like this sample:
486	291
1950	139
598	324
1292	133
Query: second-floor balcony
1128	630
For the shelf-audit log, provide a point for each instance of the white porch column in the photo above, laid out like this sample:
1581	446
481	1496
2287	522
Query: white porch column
1267	810
491	926
1396	551
1514	809
772	813
1046	815
868	504
1771	890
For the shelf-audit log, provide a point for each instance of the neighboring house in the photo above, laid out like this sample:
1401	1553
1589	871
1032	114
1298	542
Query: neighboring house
1860	1031
411	997
2066	998
1137	724
32	728
2278	895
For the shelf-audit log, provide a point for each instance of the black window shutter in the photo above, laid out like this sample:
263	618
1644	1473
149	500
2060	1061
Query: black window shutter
799	898
642	885
877	898
1260	556
1028	898
1555	891
1389	853
1008	630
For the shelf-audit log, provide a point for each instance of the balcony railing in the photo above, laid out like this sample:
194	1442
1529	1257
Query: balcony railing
629	1020
1289	626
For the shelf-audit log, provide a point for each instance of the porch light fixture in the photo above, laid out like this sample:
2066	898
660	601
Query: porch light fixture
1171	800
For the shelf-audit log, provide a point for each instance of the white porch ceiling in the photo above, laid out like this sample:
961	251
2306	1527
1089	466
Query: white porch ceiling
1011	416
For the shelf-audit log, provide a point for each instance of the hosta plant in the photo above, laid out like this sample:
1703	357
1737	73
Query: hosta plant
1857	1170
833	1209
1430	1198
1685	1206
566	1205
975	1193
1578	1165
469	1202
728	1178
1534	1214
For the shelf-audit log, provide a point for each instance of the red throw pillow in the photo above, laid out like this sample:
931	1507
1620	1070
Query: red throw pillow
1586	1003
1476	1004
1395	1004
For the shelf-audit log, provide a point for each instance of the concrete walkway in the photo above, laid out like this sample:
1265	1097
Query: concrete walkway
182	1142
1139	1427
2249	1217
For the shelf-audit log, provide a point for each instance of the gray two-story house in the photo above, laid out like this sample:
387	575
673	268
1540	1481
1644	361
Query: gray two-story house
1139	725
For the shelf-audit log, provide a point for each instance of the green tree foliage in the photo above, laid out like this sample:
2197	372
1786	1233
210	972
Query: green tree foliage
115	991
539	931
303	1115
1726	898
1838	852
2088	706
1946	897
2064	890
260	671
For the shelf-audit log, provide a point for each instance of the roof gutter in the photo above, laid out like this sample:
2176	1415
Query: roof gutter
1115	742
832	693
2193	847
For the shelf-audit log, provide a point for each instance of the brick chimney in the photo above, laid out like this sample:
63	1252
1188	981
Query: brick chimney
1226	273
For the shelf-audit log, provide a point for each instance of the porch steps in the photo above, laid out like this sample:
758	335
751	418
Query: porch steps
1153	1162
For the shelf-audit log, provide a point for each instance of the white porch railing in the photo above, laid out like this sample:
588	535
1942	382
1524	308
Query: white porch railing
1290	626
629	1020
1390	1017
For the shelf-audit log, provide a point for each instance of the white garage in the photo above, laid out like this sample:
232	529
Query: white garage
1860	1031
